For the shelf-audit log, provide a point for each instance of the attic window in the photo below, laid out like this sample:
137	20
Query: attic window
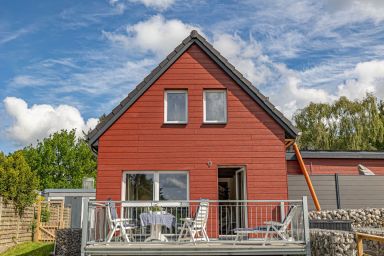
215	106
175	107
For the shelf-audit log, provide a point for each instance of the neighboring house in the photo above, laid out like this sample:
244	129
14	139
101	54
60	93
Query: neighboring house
340	162
196	119
342	179
73	198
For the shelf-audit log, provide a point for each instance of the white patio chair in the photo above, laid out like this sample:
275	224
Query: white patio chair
195	228
118	224
272	227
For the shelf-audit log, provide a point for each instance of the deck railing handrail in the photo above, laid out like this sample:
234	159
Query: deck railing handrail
194	201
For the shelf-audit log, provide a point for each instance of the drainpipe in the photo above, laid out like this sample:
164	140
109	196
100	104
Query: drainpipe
306	176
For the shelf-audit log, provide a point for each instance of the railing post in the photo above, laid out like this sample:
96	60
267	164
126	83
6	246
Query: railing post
282	211
38	222
337	188
359	241
61	223
307	238
84	233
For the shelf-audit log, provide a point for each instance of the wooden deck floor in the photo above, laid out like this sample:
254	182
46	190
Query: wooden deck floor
214	248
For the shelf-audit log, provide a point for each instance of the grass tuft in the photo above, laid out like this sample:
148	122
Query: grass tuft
30	249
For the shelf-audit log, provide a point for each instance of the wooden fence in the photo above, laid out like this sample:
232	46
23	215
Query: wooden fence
51	216
14	229
359	240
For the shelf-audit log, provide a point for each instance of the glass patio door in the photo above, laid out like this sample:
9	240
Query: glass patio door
241	195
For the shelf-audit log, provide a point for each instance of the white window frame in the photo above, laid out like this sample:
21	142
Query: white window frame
156	186
166	107
205	107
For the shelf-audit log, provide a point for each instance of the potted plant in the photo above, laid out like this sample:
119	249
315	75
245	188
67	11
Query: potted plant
156	209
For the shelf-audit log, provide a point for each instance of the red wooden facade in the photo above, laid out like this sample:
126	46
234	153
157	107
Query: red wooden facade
139	139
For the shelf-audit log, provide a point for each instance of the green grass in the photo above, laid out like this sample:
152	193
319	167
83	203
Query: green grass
30	249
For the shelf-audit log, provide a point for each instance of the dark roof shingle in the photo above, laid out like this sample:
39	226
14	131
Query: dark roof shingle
318	154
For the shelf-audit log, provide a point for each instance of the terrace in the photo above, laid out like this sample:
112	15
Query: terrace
196	227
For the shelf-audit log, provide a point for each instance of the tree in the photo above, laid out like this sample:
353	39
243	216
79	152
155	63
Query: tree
61	160
18	184
342	125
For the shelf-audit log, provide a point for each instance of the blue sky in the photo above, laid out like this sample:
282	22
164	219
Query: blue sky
64	63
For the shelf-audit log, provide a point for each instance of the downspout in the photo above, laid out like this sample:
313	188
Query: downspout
306	176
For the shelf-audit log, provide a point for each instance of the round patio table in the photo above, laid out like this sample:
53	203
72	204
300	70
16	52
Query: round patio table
156	220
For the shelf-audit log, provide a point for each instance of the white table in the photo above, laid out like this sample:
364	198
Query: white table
156	220
156	234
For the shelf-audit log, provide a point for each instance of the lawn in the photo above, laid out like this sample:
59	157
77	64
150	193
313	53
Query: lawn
30	249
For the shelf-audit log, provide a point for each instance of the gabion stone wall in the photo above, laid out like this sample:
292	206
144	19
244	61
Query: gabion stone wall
68	242
332	242
371	217
338	243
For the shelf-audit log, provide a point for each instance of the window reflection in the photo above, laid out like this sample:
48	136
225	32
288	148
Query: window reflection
215	106
139	187
173	186
176	110
156	186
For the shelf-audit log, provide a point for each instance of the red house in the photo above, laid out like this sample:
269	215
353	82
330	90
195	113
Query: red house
196	129
197	119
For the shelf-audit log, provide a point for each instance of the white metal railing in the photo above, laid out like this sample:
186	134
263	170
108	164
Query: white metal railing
224	218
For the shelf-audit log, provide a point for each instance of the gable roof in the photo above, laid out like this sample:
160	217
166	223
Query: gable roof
193	38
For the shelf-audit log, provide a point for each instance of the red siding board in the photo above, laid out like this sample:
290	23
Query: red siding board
139	140
339	166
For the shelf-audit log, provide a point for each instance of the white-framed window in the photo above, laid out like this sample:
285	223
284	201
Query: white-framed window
215	106
176	106
155	186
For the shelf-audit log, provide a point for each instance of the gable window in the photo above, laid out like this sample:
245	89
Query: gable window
215	106
175	107
155	186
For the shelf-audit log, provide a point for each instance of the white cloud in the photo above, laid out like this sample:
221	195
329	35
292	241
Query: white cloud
246	56
34	123
373	9
290	94
118	5
8	36
65	62
287	44
100	80
119	76
155	35
159	5
156	4
27	80
366	77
